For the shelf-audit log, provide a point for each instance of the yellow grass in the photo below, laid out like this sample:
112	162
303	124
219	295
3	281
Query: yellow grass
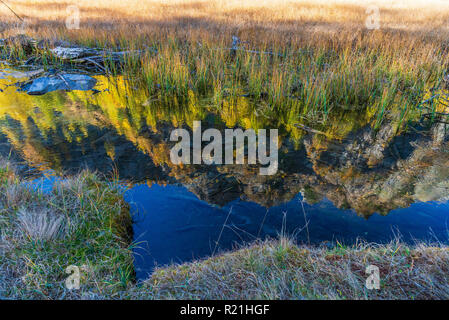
277	19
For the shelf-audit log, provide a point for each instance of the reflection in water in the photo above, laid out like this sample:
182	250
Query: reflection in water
122	130
350	157
173	225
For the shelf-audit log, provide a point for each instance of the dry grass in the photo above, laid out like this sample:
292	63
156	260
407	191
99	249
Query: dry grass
295	18
282	270
82	221
278	24
41	225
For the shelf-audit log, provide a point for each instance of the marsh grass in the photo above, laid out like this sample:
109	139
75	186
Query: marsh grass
82	221
280	269
310	83
306	59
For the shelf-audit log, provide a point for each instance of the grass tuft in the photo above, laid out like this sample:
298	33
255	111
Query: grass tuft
81	222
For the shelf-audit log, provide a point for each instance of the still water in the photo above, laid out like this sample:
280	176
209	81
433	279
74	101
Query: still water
174	225
350	177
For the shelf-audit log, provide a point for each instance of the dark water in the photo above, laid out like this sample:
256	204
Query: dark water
350	177
173	225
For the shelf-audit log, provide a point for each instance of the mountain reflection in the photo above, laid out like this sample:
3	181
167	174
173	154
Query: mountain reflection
349	158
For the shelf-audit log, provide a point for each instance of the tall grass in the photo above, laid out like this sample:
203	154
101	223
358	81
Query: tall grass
311	83
310	57
82	221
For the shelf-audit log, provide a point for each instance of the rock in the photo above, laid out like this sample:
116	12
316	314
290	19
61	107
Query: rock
73	53
46	84
440	132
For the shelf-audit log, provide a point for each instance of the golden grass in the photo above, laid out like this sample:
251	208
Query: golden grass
280	269
268	20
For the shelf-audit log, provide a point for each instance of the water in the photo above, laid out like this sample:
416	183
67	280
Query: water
349	181
172	225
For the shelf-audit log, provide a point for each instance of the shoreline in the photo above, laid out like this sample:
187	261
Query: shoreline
271	269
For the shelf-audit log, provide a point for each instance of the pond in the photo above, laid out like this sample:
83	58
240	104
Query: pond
342	176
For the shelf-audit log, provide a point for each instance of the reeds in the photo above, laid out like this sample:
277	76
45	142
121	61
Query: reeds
310	57
309	82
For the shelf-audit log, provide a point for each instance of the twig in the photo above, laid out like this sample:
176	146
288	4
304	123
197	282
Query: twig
305	128
221	232
252	51
94	63
306	223
60	76
11	10
431	98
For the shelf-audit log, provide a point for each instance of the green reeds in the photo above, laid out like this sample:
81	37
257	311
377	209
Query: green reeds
314	80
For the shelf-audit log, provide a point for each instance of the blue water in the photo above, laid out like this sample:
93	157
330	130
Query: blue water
173	226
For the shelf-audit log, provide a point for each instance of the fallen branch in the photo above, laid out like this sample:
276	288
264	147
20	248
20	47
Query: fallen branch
251	51
440	114
305	128
96	64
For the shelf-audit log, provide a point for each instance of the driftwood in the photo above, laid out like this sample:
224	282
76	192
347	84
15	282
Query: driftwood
236	47
65	53
90	59
93	59
305	128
